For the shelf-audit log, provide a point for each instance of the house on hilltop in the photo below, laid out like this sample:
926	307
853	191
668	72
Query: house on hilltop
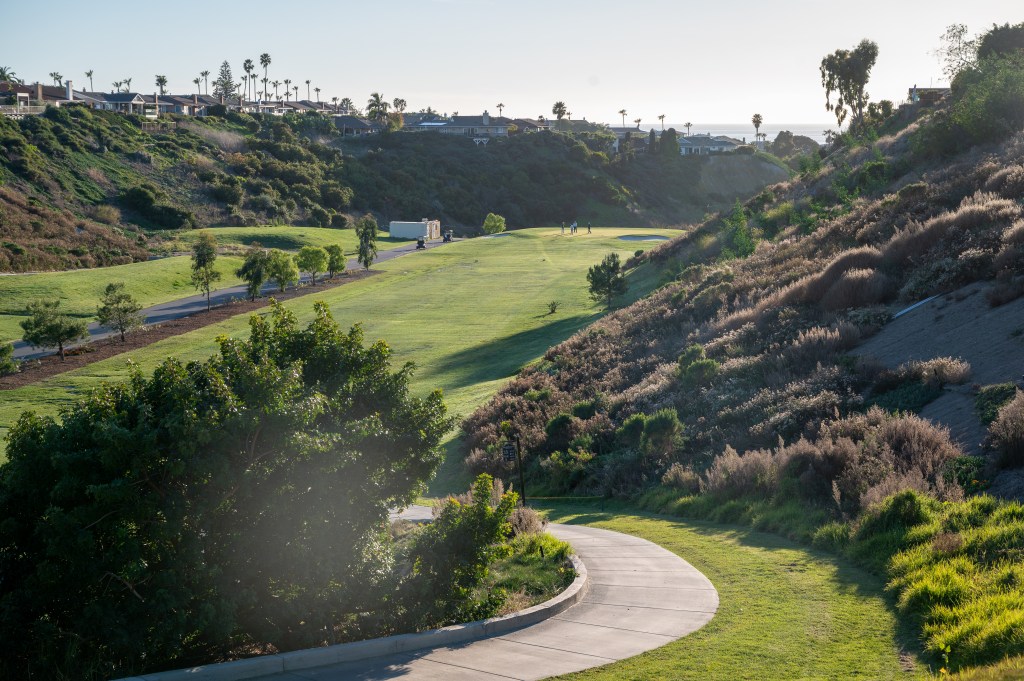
351	126
706	144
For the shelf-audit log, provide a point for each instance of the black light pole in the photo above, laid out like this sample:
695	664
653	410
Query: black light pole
519	462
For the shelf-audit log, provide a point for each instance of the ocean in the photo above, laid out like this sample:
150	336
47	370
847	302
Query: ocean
816	131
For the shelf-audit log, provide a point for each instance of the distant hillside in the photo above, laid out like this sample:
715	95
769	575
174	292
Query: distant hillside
107	190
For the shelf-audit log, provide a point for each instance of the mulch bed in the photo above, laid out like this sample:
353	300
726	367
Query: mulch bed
36	370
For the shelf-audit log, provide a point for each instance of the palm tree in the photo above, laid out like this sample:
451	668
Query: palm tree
558	109
276	84
206	79
117	86
252	89
757	121
317	91
265	62
377	107
161	82
248	67
295	89
88	74
346	105
264	88
287	88
622	112
55	75
662	119
307	90
197	82
399	104
127	84
637	121
687	125
334	101
499	108
7	75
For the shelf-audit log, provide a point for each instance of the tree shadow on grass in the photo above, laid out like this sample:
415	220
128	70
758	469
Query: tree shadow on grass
847	577
503	357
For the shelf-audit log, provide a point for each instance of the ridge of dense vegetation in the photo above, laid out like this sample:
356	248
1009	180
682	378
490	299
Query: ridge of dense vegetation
83	188
730	393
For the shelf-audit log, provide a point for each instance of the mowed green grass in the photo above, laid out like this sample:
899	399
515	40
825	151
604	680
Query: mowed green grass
286	238
469	314
786	612
151	282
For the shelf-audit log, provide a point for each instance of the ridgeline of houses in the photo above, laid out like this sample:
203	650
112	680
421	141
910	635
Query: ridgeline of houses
31	100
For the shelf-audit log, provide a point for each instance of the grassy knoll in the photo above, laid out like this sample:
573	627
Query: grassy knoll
151	282
284	237
786	612
469	315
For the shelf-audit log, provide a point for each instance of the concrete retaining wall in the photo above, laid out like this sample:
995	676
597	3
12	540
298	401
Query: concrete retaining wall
266	665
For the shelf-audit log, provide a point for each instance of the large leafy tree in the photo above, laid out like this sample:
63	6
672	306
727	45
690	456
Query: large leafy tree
312	259
845	73
366	231
204	255
118	310
606	279
282	269
238	499
47	327
493	224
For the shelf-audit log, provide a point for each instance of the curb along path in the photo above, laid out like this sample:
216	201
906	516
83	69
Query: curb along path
631	596
640	597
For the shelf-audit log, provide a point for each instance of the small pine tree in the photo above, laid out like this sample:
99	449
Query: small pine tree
46	327
204	255
8	365
119	310
606	279
254	270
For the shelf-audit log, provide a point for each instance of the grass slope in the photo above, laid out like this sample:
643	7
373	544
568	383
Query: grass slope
786	612
469	315
151	282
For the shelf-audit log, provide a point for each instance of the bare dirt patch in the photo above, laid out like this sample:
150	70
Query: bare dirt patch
957	324
34	371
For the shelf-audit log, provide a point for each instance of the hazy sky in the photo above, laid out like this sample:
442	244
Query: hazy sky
710	62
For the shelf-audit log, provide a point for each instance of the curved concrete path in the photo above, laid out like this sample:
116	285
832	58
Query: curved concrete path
640	597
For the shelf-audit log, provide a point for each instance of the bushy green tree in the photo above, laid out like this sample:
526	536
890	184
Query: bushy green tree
204	255
312	259
281	269
493	224
366	232
335	260
606	279
739	235
46	327
118	310
237	499
451	555
254	270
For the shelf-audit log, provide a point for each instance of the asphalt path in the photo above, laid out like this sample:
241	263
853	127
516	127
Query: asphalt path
183	307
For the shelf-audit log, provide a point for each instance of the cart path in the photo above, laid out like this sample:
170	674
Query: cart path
640	597
183	307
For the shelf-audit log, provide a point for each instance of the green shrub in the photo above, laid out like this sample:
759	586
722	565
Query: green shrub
1006	432
8	365
991	399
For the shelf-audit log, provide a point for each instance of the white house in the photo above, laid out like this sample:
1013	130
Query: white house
424	229
705	144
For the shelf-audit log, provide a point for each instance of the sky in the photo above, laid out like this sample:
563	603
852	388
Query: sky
710	62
